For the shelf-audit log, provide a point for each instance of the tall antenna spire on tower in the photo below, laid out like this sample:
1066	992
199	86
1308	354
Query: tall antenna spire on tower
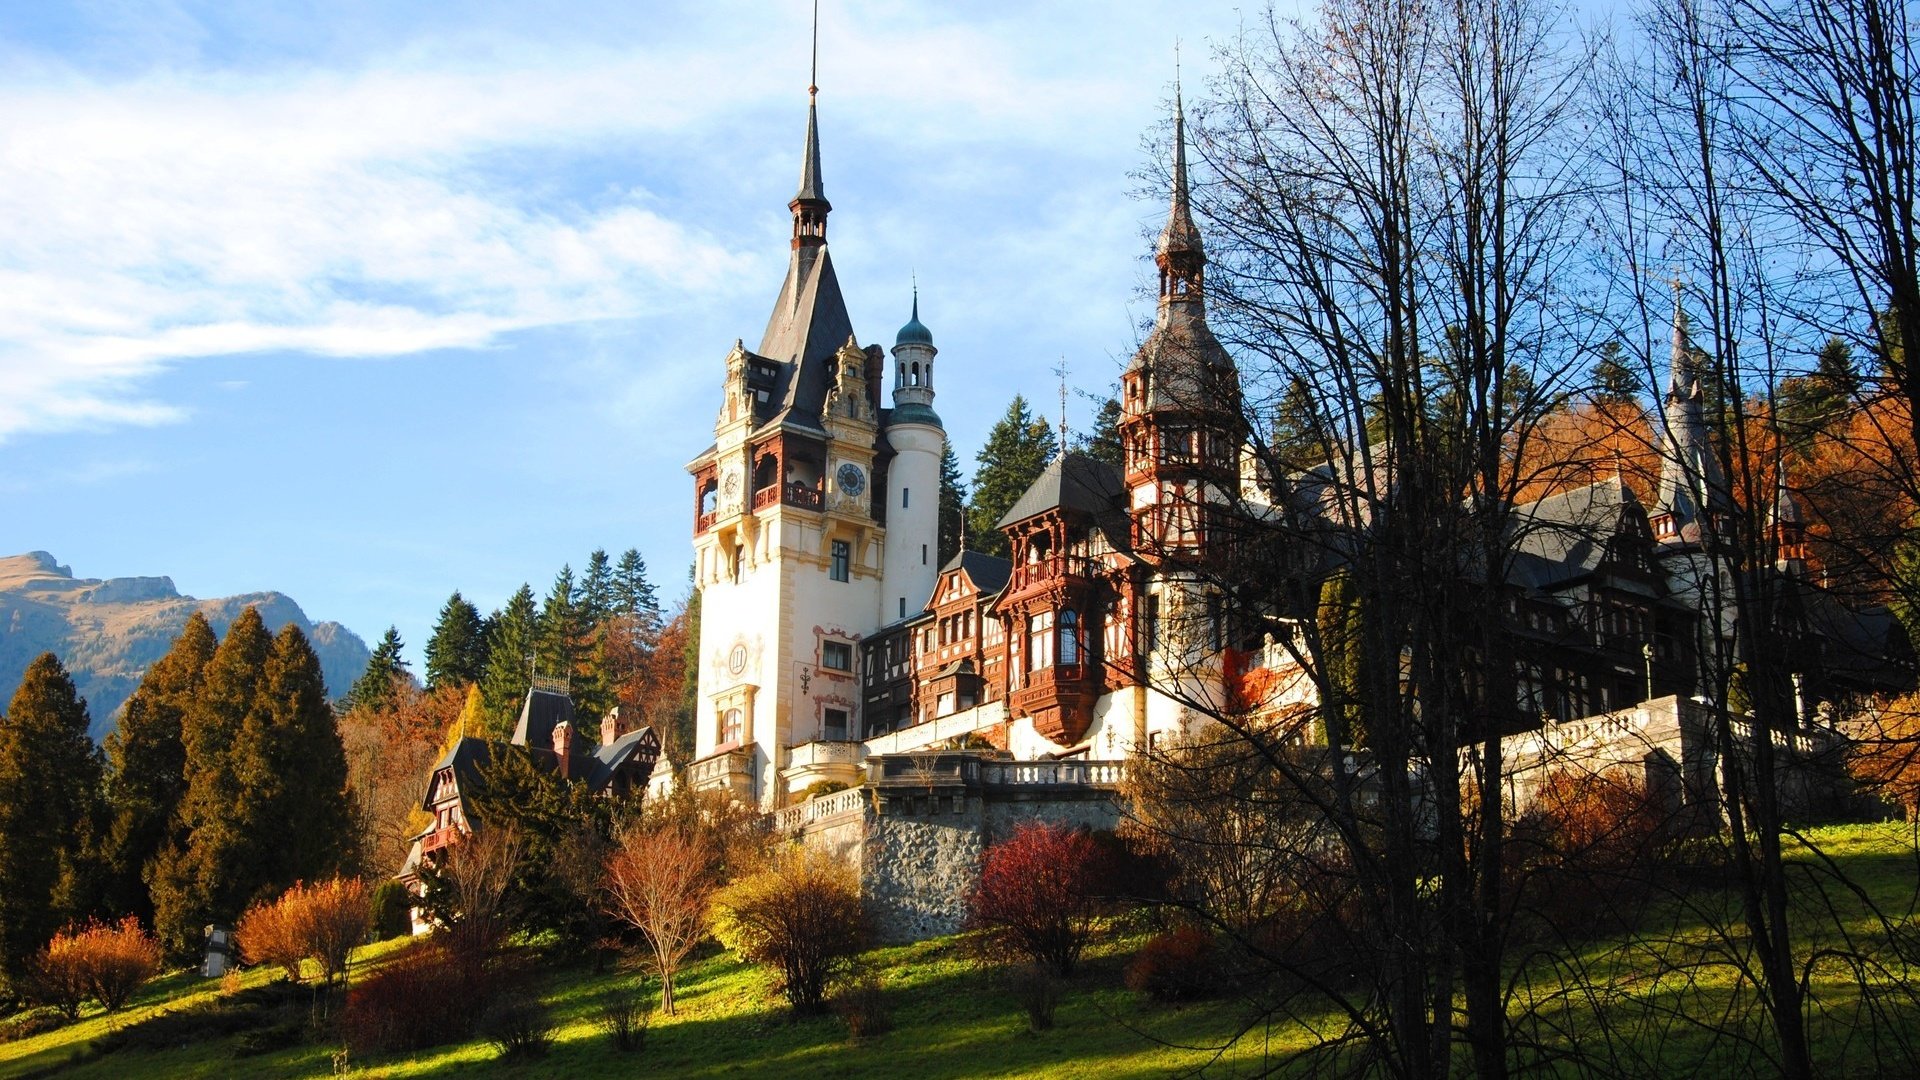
813	65
1060	370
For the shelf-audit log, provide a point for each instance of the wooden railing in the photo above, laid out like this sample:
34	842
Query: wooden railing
1049	569
703	522
803	496
439	838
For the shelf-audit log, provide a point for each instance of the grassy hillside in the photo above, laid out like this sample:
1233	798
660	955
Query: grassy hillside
954	1019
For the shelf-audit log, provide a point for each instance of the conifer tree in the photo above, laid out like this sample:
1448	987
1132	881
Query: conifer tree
1809	403
50	812
294	812
1103	443
633	594
200	876
1017	450
148	766
511	648
1292	442
457	651
1614	381
374	688
953	506
558	645
596	590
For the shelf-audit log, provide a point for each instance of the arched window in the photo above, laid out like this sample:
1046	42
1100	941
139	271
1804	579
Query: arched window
915	379
730	726
709	496
1069	637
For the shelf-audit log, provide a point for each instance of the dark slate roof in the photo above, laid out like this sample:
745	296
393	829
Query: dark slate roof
811	189
1566	535
466	758
989	573
1188	370
540	713
808	325
1073	482
638	745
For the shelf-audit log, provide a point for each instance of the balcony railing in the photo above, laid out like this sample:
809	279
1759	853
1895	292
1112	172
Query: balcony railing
439	838
1050	569
795	818
1077	773
703	522
803	496
716	769
826	753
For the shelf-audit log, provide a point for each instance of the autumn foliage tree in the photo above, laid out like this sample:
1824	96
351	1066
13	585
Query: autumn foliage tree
658	882
800	916
1037	894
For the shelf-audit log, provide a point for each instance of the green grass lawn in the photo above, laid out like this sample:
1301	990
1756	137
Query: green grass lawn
954	1019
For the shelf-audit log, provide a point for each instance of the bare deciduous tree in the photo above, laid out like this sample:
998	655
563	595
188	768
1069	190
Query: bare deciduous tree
658	881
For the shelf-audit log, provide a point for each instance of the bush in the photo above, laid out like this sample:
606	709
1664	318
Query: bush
1585	850
27	1025
519	1026
108	963
1036	894
392	911
1180	965
426	996
321	922
862	1005
1038	990
800	916
823	787
625	1014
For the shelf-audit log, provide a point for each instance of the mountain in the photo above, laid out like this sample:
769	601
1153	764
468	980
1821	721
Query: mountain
107	632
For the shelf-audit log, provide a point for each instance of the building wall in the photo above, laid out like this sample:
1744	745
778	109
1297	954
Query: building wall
913	530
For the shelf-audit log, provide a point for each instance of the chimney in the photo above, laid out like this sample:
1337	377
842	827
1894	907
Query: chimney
563	747
610	726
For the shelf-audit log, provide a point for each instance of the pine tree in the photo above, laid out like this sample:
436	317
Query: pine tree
953	506
292	768
374	688
200	876
1103	444
633	594
1810	403
596	589
50	811
511	648
1018	449
457	651
148	766
1614	381
1295	442
558	646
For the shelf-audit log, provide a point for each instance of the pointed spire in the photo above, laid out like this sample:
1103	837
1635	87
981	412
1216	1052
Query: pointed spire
1179	255
1678	376
810	189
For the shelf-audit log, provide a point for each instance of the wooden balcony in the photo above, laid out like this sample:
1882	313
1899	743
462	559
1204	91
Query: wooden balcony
704	522
439	838
1058	567
1060	701
802	496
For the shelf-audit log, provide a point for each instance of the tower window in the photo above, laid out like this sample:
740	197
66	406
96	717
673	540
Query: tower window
905	494
837	655
730	727
903	607
923	554
833	725
842	563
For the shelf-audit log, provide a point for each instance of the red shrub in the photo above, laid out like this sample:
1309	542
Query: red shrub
426	996
321	922
1179	965
1036	894
103	961
1584	853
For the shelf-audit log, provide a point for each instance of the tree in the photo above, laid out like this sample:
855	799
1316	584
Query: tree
294	809
552	816
1036	894
374	687
1614	380
1017	450
107	962
1810	403
510	655
50	812
1103	443
800	916
633	594
561	640
596	589
194	879
323	922
390	750
953	506
147	765
469	892
457	651
659	883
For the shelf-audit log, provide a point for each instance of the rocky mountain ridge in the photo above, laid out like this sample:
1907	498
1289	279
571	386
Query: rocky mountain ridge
106	631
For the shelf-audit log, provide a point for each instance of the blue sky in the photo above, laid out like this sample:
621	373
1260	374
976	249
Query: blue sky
366	302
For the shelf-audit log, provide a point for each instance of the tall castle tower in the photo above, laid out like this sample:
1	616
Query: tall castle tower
789	533
913	477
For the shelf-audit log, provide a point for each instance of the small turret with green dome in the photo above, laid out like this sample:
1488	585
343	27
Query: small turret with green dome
913	354
915	332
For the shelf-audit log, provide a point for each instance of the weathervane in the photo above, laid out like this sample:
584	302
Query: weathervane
1060	370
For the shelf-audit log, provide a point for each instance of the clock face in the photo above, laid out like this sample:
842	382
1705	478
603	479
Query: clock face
852	480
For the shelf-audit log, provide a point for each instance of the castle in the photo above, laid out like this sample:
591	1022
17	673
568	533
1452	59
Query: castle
830	635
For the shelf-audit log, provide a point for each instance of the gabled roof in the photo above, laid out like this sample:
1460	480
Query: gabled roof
989	573
466	757
1072	482
540	713
808	325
